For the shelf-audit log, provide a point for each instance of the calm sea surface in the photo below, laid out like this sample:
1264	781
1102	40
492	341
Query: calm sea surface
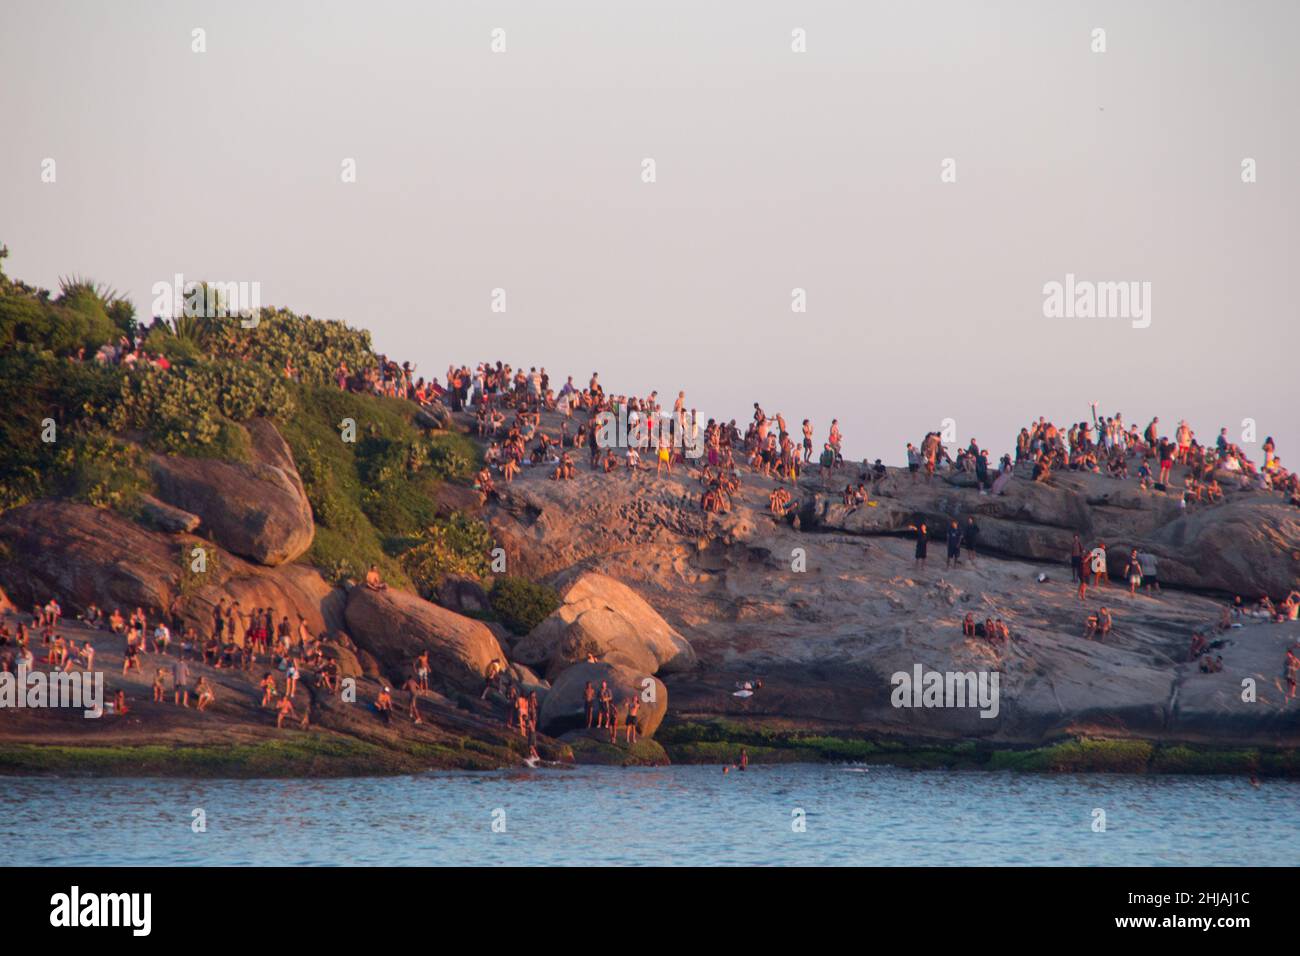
674	815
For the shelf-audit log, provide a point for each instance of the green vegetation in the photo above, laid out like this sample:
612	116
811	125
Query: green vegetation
296	754
521	604
374	498
643	753
720	741
456	545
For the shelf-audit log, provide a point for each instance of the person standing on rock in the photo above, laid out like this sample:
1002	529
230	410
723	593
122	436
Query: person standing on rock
921	543
954	545
1076	564
589	703
606	699
1098	565
1133	572
634	707
181	683
613	721
1150	571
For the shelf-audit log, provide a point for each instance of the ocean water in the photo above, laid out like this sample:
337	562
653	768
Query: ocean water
676	816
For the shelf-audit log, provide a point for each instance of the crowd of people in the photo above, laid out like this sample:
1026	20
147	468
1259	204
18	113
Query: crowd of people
237	640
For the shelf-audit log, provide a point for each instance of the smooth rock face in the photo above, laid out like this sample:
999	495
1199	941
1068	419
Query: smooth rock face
608	619
462	594
258	509
1248	544
396	626
563	710
86	555
166	518
825	641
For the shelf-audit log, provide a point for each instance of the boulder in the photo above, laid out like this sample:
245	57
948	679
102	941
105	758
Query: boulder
1248	544
349	663
256	509
166	518
396	626
607	619
563	708
84	555
433	415
462	594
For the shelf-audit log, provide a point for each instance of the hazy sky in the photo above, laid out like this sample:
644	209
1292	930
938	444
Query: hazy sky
775	170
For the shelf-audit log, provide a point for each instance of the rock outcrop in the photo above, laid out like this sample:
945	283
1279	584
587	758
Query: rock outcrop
255	509
563	706
86	555
605	618
396	626
1248	544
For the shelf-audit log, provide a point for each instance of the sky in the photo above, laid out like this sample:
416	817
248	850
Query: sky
824	170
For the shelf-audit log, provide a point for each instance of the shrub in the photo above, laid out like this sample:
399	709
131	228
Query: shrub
102	471
315	347
183	409
455	545
521	604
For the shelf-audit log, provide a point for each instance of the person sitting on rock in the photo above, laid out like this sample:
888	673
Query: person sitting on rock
1199	646
373	579
968	625
1104	623
1090	626
267	684
486	487
116	623
567	469
205	693
329	675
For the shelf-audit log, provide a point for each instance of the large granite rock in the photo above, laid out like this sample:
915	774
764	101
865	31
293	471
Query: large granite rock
563	708
256	509
607	619
396	626
84	555
1248	544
